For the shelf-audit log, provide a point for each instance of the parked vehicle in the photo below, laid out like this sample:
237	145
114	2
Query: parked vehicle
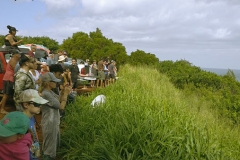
40	50
4	58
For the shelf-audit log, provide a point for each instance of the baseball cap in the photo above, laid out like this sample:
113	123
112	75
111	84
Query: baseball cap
48	77
14	123
31	95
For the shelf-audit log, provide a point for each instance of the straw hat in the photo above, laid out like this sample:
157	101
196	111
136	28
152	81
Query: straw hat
61	58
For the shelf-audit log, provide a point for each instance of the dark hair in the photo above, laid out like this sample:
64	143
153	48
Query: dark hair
74	59
23	59
56	68
65	68
10	28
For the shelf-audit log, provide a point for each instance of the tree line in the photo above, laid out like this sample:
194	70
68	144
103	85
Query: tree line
222	91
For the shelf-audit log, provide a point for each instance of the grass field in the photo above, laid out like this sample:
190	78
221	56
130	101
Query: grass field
146	118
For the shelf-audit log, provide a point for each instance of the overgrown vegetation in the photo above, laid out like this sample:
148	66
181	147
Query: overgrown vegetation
146	117
223	92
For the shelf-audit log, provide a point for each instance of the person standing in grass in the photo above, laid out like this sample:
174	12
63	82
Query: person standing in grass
50	114
111	69
101	75
73	68
106	72
8	79
93	72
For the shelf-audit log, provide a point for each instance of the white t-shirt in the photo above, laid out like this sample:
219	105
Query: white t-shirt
35	77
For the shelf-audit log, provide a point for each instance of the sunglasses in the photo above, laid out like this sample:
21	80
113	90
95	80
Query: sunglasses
35	104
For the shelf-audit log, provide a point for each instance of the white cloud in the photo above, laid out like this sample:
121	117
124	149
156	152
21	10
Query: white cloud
169	29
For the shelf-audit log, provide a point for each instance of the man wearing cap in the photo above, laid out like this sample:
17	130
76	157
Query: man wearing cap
8	79
50	114
15	140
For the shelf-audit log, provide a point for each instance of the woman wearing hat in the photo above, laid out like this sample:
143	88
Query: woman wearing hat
10	39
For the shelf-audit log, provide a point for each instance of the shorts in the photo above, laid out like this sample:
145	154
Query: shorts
8	88
112	76
101	75
106	76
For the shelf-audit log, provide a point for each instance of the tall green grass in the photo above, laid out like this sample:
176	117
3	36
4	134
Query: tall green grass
145	118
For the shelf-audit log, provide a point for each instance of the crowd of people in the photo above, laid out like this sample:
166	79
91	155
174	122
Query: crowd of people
41	85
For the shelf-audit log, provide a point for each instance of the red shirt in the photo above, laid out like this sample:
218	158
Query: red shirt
9	74
18	150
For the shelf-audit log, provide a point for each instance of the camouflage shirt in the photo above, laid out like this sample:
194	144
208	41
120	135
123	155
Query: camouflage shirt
23	81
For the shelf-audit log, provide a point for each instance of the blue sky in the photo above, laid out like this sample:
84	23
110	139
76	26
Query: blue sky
204	32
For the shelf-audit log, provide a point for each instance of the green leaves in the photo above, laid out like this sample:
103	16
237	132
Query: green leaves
144	117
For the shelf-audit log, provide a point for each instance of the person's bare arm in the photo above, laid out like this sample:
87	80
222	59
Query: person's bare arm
12	42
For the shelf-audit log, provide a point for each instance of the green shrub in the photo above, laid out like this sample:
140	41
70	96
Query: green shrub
145	118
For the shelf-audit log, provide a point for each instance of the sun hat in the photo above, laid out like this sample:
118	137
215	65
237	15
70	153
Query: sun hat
14	123
48	77
31	95
61	58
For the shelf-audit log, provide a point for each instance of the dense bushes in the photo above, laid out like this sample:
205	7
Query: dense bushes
222	91
145	118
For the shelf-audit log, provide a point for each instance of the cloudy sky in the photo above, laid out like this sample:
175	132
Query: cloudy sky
204	32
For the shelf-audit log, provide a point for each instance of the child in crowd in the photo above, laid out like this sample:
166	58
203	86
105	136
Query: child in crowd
31	103
15	140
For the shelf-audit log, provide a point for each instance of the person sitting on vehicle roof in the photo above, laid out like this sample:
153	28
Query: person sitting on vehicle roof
10	39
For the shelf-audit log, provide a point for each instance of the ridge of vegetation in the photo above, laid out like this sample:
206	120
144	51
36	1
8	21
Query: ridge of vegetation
146	117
